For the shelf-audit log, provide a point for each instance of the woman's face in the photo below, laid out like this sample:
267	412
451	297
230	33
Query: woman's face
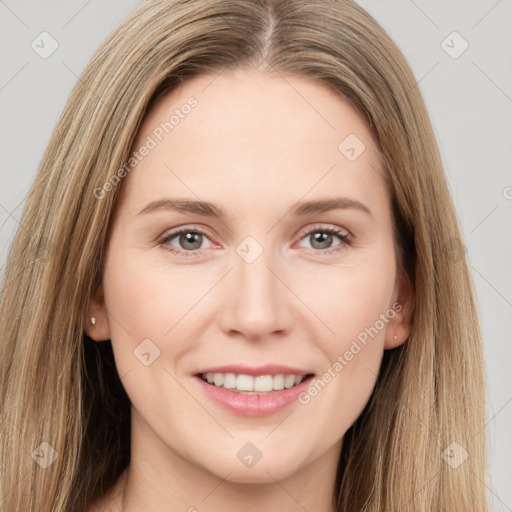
290	264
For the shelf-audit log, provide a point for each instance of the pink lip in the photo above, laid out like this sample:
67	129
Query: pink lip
255	371
252	405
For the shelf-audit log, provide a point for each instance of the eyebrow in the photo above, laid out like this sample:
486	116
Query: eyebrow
208	209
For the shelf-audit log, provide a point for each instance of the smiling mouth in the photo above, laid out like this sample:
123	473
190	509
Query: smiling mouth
249	385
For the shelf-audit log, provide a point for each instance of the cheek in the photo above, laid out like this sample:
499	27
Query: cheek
351	299
354	302
147	307
148	299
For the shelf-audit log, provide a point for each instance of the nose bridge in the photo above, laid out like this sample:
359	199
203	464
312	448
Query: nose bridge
256	303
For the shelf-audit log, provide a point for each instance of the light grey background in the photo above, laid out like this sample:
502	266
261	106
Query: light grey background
469	99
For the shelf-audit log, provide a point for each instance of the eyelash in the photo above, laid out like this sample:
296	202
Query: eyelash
345	238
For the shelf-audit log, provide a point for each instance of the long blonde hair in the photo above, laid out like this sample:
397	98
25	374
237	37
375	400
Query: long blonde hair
58	387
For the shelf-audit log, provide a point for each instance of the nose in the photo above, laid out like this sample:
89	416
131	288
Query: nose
256	302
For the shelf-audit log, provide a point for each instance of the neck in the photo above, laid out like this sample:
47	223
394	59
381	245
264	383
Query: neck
159	478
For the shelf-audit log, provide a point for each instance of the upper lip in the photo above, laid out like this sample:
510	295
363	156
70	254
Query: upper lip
255	371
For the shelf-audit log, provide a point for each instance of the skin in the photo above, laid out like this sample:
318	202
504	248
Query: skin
255	145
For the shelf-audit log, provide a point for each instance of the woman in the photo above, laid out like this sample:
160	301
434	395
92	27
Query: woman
316	347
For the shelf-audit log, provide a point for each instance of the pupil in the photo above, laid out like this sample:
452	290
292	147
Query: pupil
324	239
191	238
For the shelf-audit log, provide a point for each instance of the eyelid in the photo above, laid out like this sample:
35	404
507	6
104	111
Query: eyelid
322	226
188	227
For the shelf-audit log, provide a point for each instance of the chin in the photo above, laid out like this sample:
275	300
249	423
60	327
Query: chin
263	471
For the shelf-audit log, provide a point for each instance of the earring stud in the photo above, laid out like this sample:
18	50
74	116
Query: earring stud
93	321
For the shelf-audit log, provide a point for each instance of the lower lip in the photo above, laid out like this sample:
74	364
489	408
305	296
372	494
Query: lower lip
253	405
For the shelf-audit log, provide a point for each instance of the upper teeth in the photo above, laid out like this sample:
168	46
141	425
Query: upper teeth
242	382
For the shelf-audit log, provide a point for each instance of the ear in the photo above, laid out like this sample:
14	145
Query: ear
100	331
403	305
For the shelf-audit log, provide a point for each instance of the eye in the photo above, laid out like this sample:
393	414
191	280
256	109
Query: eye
321	239
189	240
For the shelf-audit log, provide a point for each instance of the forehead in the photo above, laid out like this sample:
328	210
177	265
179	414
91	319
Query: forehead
256	134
